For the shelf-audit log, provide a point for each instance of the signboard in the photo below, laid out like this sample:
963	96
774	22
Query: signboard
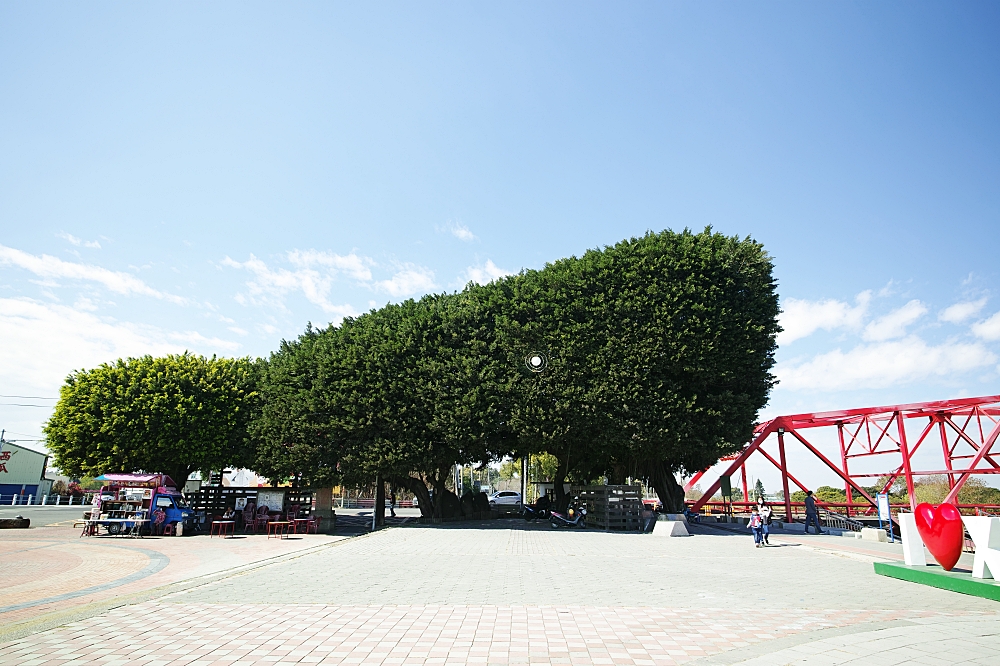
272	499
727	489
883	506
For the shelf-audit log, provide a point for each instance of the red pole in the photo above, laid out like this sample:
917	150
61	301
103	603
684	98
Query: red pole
947	452
784	475
843	461
906	460
743	473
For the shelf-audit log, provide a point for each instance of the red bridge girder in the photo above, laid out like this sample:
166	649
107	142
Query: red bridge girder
966	428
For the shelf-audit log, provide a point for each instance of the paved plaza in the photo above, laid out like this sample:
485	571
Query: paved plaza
505	592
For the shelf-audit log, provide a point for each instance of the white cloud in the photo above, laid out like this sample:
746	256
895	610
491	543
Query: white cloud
801	318
351	264
40	343
410	281
883	364
485	274
79	242
46	266
989	329
893	325
268	287
462	232
959	312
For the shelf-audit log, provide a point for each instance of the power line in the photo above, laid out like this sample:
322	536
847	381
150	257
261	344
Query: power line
20	404
28	397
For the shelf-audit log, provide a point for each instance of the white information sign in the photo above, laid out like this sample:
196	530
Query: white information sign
883	506
272	499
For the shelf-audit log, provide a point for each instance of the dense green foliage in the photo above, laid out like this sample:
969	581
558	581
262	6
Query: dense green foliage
175	414
659	353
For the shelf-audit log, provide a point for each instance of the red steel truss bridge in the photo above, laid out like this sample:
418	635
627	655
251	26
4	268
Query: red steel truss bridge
963	433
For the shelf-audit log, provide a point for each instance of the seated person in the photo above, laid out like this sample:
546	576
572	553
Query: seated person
230	514
159	517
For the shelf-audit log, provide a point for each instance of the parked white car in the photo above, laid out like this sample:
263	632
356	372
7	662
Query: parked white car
505	497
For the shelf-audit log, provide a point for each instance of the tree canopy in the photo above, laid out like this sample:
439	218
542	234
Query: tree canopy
175	414
658	350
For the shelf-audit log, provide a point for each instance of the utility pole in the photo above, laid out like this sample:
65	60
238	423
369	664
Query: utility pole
524	479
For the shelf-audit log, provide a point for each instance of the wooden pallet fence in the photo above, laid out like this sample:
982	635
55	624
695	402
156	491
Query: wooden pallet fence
216	500
616	508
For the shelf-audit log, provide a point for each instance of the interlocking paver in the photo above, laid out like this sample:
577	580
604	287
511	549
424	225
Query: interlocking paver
495	595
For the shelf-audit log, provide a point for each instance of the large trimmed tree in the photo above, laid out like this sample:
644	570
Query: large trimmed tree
173	415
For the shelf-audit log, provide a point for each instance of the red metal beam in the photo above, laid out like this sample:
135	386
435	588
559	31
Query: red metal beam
969	440
861	491
987	445
784	475
905	451
694	479
746	453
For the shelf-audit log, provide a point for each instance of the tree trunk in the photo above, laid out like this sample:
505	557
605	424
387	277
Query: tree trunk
180	475
419	489
379	501
558	486
671	494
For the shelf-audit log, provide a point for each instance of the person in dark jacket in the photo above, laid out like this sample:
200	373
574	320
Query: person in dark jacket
812	516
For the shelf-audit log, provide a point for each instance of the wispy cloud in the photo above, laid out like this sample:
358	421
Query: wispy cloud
269	286
409	281
988	329
459	231
352	265
79	242
883	364
894	324
40	343
959	312
485	274
47	266
802	318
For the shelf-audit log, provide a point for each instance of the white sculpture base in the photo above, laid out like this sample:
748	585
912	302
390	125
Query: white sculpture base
670	528
873	534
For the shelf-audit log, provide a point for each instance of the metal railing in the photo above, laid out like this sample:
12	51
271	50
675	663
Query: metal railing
840	522
46	500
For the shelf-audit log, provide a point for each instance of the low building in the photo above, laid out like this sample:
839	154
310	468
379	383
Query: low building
22	471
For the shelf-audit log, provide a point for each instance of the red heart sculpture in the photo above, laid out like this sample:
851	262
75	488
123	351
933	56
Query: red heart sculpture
941	529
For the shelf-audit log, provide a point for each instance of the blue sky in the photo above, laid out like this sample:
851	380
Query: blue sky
211	177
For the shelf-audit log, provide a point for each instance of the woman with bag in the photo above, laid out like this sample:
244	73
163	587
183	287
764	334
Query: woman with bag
765	517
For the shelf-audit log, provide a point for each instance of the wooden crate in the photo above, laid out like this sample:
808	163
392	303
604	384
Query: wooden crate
616	508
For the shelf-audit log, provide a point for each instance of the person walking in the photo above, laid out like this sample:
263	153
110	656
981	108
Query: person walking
812	516
765	519
755	525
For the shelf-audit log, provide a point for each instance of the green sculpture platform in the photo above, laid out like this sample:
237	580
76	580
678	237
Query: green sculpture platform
935	576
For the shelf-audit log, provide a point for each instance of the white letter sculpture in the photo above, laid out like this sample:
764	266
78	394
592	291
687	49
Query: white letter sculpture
913	545
985	532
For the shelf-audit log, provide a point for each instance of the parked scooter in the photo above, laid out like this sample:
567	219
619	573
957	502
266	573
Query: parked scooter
573	517
533	513
540	509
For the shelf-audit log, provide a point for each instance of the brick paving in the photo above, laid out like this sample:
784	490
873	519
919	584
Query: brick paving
46	569
510	593
157	633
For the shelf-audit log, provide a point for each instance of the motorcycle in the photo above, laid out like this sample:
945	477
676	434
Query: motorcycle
532	513
574	518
